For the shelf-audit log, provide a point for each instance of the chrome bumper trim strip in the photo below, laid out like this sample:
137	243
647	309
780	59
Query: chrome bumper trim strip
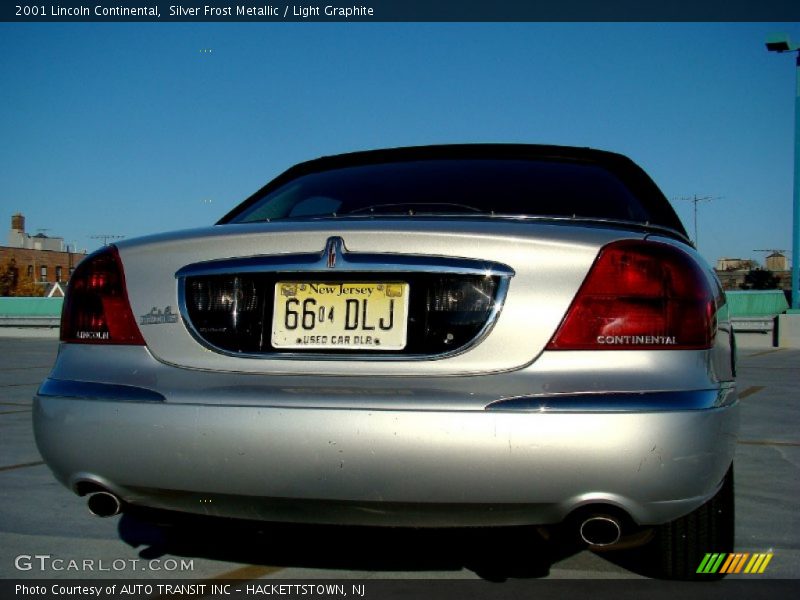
87	390
621	402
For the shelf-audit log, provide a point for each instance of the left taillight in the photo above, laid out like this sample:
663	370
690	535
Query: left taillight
96	308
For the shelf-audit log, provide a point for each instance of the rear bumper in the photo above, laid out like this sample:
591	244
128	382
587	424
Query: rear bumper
520	461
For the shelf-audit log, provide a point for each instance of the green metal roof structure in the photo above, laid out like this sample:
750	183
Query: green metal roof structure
30	312
30	307
756	303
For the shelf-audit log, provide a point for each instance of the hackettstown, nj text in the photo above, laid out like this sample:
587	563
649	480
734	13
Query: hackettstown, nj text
302	589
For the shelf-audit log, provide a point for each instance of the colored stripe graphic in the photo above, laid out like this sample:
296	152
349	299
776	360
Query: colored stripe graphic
758	563
734	563
711	563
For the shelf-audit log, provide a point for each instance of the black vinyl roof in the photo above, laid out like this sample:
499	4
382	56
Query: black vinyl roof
639	183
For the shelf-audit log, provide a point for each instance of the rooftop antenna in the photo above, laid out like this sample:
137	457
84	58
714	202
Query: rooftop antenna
105	237
695	199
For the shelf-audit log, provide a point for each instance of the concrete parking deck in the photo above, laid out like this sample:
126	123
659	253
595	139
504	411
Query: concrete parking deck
38	517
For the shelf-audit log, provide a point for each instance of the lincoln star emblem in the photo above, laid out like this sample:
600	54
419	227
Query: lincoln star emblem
334	248
331	256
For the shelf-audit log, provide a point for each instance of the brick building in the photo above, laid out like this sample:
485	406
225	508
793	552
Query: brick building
38	259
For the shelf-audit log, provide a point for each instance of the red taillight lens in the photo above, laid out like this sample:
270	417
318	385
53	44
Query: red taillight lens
96	309
640	295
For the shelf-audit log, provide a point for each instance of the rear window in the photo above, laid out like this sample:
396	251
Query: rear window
465	186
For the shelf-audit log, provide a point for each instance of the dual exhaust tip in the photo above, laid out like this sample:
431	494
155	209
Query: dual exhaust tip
104	504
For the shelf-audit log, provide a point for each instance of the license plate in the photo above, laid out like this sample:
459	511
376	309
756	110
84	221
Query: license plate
340	316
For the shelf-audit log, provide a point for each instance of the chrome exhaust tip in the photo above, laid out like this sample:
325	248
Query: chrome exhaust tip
601	530
104	504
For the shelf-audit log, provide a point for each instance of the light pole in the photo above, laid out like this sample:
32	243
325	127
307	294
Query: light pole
780	42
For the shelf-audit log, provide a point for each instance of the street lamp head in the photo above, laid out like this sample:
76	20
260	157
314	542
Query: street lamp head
780	42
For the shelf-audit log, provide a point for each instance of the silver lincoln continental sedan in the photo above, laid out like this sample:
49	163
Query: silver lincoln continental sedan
456	335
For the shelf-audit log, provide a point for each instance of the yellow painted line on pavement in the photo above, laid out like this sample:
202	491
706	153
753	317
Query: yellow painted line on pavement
248	572
768	443
764	352
751	390
22	466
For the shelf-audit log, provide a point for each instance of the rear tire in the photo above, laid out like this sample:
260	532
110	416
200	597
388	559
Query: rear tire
683	544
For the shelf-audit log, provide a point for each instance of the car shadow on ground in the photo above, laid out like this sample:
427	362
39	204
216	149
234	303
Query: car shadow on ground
494	554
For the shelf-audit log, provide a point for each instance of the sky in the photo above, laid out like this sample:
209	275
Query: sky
131	129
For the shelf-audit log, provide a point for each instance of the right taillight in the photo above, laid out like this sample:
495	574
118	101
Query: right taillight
96	308
640	295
